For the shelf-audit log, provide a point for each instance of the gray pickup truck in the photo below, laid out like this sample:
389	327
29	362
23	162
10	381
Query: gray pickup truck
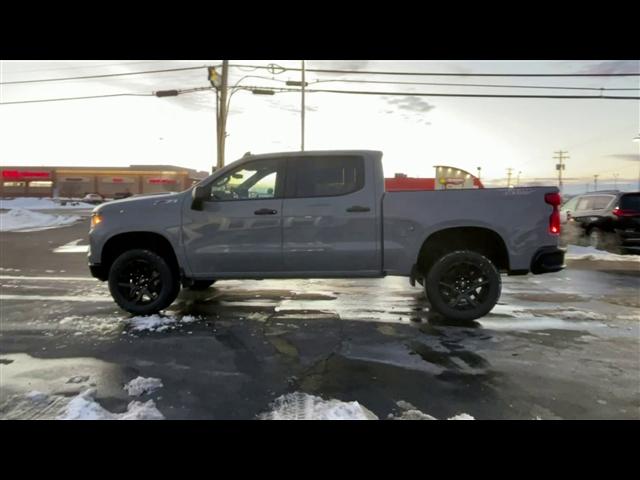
323	214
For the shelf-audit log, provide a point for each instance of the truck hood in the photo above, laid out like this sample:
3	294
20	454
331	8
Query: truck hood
138	202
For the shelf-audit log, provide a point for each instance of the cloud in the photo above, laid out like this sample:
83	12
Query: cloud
614	66
632	157
413	104
338	65
292	108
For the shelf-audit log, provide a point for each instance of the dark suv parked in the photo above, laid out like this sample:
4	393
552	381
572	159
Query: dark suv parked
607	219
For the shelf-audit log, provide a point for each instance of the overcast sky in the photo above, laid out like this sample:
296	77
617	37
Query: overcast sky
414	133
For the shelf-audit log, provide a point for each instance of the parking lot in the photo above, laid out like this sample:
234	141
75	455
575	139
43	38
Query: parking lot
558	346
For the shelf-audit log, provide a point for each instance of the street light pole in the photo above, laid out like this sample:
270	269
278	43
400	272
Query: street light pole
222	116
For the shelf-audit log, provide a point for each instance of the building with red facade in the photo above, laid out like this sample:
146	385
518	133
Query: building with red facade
73	182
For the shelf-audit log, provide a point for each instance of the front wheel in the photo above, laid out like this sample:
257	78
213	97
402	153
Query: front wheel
463	285
142	282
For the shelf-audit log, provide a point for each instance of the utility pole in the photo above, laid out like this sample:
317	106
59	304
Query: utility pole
222	113
479	169
509	171
595	183
303	109
518	179
615	181
560	166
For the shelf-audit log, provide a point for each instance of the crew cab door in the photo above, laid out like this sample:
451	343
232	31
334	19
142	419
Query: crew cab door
239	229
329	217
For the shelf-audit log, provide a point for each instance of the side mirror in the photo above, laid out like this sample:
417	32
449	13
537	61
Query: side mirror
199	195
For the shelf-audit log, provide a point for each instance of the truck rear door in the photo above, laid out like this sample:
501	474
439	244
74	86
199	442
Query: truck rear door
329	216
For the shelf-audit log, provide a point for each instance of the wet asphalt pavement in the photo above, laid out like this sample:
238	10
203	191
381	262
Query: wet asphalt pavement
558	346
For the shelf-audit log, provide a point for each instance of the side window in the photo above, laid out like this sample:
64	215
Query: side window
327	176
601	202
584	204
254	180
571	204
630	201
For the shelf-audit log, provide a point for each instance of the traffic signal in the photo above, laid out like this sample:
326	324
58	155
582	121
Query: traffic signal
214	78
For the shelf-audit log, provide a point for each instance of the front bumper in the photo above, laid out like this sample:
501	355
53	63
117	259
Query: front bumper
98	271
548	260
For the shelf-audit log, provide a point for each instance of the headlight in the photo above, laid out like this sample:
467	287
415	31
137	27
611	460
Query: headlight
96	219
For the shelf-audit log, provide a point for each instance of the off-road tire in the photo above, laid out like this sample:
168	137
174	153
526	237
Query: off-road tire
460	271
166	284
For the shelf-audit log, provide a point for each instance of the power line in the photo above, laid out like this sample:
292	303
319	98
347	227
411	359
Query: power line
86	77
548	87
79	98
440	74
62	99
462	95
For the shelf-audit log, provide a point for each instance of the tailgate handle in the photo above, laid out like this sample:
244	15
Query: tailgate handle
265	211
358	208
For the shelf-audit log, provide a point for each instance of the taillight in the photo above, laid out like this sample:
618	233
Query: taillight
554	199
618	212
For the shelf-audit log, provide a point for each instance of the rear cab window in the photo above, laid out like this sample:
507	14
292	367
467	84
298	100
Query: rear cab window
324	176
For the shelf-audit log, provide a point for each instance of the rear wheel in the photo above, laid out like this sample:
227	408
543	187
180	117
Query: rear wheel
201	284
463	285
142	282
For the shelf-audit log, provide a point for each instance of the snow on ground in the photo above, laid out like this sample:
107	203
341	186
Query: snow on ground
20	220
38	405
300	406
462	416
576	252
141	385
157	323
410	412
29	203
84	407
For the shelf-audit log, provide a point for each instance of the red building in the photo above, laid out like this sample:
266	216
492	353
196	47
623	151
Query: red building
401	182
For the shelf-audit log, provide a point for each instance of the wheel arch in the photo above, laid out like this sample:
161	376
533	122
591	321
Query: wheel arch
478	239
122	242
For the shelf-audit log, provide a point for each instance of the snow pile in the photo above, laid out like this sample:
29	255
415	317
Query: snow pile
157	323
300	406
153	323
84	407
32	405
410	412
142	385
29	203
20	220
90	324
589	253
462	416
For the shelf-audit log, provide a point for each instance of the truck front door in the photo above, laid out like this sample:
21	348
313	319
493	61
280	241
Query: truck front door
239	229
